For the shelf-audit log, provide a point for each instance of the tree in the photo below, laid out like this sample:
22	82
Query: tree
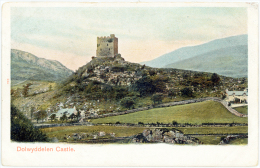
171	93
127	102
157	98
12	92
224	96
174	122
53	116
37	116
145	86
40	115
78	115
152	72
43	114
243	80
26	89
159	82
215	79
32	111
187	92
50	87
22	129
72	116
63	117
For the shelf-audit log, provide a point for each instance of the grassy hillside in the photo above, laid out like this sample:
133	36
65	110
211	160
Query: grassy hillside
197	113
193	51
231	61
26	66
243	109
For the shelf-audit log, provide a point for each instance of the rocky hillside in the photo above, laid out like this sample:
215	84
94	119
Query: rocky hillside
26	66
111	84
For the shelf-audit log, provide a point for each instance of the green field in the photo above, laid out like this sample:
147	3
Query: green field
196	113
59	132
243	109
213	130
239	141
121	131
209	140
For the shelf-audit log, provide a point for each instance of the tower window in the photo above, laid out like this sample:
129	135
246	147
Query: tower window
109	48
107	44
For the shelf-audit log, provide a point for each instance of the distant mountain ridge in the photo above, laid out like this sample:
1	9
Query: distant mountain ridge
26	66
172	59
230	61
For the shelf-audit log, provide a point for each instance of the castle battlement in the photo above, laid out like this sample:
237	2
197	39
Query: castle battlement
107	46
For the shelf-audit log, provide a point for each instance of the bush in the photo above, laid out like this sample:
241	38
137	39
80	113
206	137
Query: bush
174	122
215	79
157	98
140	123
22	129
127	102
187	92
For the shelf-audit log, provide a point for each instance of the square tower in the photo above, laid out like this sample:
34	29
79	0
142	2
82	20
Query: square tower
107	46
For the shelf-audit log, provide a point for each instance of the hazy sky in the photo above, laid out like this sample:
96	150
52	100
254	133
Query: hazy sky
69	35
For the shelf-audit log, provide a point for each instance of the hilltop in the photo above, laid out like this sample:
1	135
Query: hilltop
26	66
104	85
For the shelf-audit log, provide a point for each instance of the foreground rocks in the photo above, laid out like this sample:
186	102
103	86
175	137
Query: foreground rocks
164	136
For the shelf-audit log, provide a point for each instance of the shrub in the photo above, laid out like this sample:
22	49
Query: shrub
127	102
157	98
22	129
187	92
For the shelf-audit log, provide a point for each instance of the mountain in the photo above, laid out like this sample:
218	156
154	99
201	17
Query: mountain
193	51
26	66
230	61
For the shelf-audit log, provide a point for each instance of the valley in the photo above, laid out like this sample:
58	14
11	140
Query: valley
111	100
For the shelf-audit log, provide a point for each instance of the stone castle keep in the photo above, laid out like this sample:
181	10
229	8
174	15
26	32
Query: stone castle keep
107	46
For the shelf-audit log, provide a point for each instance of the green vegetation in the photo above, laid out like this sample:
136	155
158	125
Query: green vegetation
239	141
186	92
209	140
120	131
59	132
127	102
157	98
243	109
197	113
40	115
22	129
31	88
214	130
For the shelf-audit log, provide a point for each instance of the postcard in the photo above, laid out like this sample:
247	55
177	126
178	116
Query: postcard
129	84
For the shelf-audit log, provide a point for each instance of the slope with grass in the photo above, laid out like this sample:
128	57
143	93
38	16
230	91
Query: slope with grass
26	66
197	113
243	109
218	61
